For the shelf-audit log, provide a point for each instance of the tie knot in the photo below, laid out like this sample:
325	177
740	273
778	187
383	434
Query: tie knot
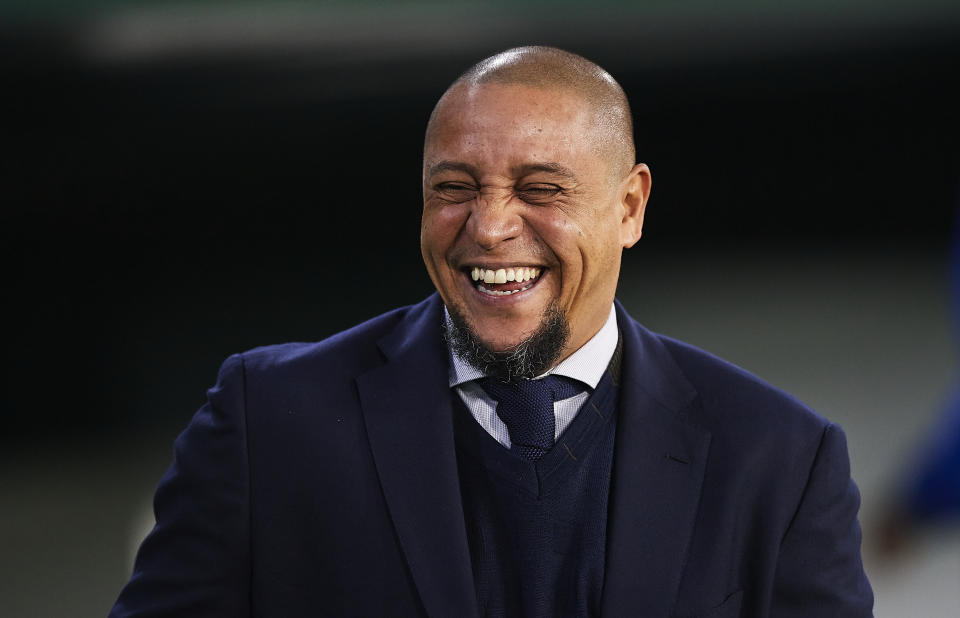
552	387
526	408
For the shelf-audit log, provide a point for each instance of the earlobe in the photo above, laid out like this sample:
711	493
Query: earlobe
634	196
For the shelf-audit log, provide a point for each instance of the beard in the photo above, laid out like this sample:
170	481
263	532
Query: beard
533	356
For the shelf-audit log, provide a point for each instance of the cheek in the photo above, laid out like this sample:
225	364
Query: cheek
588	255
440	227
440	221
561	235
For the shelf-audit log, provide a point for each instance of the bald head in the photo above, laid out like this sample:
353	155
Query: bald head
549	68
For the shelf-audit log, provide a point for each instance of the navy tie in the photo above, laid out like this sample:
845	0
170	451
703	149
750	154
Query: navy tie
526	408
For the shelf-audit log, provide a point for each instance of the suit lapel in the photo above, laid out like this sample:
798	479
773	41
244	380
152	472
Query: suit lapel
659	462
407	411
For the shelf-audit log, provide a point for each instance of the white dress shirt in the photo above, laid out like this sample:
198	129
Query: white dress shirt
586	365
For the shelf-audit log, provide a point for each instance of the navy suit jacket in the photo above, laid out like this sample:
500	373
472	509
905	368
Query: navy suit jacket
321	480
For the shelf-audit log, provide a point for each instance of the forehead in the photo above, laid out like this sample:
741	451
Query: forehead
501	125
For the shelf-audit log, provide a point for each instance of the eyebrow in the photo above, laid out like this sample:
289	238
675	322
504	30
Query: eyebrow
550	168
451	166
518	171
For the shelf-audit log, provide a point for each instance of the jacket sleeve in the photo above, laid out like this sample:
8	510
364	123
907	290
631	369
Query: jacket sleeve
820	572
196	561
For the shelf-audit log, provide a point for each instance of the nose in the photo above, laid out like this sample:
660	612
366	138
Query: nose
493	220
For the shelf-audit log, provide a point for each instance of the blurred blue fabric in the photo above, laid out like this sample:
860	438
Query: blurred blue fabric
932	487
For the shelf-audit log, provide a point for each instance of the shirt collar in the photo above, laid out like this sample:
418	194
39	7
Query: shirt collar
586	364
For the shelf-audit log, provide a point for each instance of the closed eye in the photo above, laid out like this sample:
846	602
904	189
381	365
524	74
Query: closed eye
539	193
455	191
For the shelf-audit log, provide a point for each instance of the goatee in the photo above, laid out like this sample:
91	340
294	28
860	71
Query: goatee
531	357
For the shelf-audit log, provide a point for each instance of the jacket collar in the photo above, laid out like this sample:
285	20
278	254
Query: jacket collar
408	414
658	466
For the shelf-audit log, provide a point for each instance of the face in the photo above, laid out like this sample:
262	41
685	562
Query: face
522	211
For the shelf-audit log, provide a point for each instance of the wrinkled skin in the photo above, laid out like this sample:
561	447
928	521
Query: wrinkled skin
516	175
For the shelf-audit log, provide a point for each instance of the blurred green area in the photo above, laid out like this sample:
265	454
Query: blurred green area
867	8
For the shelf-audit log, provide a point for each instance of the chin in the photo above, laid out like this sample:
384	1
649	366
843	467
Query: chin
506	336
502	344
523	354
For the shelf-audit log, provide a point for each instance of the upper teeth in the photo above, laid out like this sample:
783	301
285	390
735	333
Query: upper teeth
502	275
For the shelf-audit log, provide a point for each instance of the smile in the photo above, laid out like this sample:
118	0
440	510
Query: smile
504	281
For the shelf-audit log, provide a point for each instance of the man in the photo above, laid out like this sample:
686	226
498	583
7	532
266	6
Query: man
422	463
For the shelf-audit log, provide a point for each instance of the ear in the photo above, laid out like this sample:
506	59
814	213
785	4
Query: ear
634	193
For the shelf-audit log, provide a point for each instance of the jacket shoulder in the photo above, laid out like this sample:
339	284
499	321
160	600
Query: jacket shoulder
347	352
732	398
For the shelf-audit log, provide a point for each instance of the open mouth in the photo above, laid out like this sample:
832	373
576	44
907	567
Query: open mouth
504	281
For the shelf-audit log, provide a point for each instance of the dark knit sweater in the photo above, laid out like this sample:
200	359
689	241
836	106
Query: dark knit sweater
537	530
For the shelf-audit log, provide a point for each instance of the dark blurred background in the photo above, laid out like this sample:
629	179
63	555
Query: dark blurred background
184	180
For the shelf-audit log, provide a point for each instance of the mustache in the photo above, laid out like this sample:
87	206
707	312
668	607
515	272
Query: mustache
530	254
